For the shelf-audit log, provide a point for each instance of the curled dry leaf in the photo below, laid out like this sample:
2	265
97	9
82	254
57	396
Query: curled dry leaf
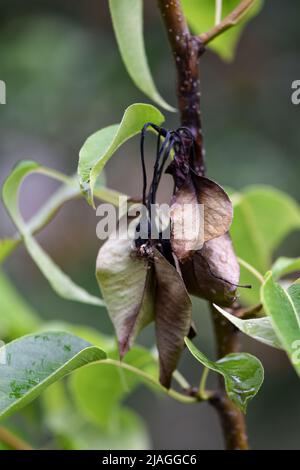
173	316
127	287
213	272
200	211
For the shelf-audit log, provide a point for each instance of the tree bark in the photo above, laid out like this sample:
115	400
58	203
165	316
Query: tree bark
186	50
231	418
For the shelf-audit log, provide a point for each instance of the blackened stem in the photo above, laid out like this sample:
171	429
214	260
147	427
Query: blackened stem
187	50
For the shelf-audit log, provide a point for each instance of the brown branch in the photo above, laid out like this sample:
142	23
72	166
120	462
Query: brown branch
187	50
12	441
232	420
231	20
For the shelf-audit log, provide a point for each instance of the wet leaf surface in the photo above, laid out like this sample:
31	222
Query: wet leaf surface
243	374
30	364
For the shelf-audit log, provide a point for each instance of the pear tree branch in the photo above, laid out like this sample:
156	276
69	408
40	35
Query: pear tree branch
187	50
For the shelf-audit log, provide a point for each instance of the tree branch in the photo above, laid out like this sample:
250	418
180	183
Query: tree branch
187	50
231	20
232	419
12	441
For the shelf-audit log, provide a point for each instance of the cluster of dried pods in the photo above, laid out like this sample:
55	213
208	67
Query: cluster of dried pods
150	279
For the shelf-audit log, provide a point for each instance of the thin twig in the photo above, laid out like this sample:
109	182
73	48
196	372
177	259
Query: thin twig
251	270
12	441
183	398
228	22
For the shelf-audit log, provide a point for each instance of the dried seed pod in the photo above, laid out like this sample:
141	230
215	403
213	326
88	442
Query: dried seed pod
173	316
213	272
200	211
126	283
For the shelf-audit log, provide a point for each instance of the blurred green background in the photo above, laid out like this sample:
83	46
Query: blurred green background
65	80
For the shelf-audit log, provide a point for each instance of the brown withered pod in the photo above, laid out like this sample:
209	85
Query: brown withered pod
149	276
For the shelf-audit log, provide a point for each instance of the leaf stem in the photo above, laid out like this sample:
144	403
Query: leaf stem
251	269
202	390
231	20
181	380
12	441
148	378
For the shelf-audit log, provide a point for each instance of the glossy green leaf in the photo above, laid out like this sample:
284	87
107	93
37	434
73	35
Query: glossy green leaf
243	374
201	17
282	310
260	329
99	388
99	147
263	217
127	18
284	266
59	281
17	318
33	362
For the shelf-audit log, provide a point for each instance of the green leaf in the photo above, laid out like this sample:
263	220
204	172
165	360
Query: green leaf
260	329
263	217
43	216
243	374
145	372
294	293
201	17
89	334
34	362
7	246
17	318
74	432
99	147
99	388
281	308
284	266
59	281
69	190
127	18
